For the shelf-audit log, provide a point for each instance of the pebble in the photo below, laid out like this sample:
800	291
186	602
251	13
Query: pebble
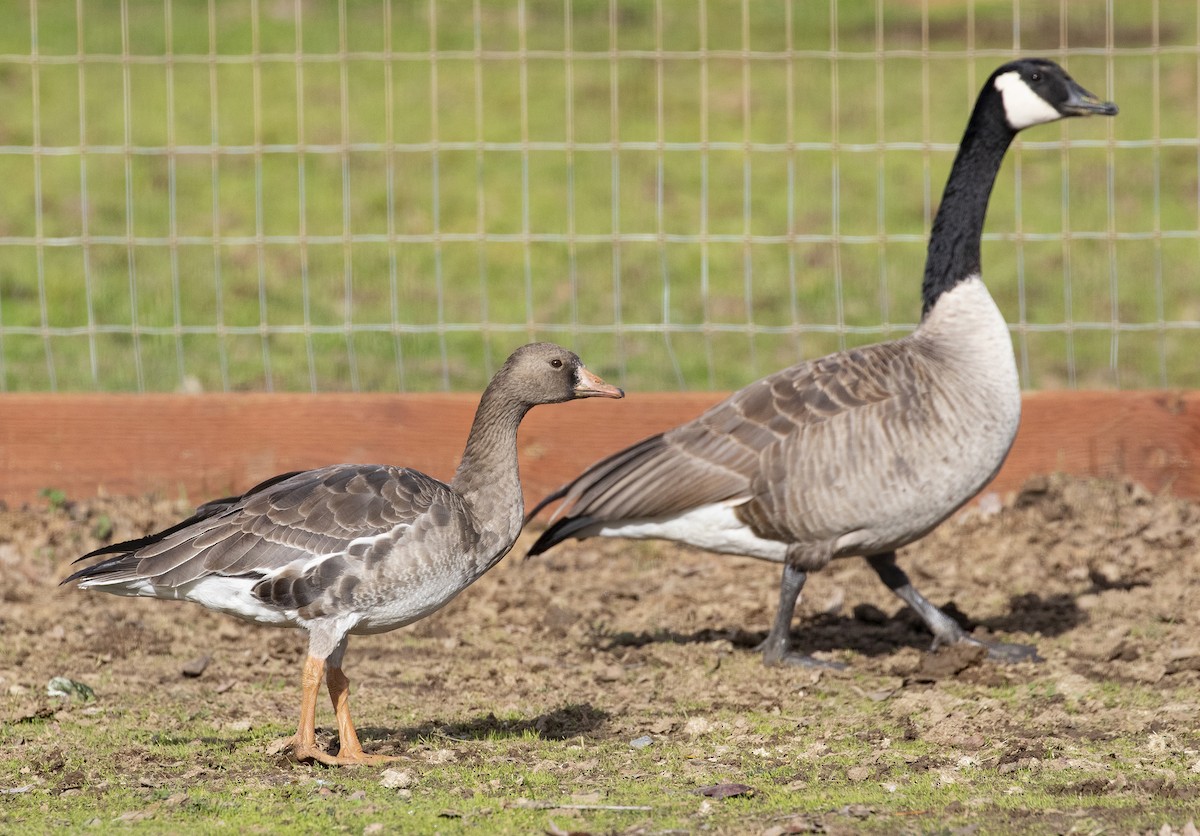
395	779
195	667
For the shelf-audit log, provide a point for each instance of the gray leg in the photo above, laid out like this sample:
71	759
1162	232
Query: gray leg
946	631
777	647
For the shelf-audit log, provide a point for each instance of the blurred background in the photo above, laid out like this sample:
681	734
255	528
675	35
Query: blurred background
294	195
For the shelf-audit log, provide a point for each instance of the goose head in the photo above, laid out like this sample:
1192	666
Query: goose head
547	373
1036	90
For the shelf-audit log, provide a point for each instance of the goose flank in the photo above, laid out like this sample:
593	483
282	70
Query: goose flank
864	451
352	549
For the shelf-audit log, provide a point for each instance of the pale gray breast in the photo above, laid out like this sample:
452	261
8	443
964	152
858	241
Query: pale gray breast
881	474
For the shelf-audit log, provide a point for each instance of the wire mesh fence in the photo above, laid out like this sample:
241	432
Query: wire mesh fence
390	196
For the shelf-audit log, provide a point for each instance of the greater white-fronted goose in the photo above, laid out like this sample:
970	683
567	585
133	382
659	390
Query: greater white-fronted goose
863	451
354	549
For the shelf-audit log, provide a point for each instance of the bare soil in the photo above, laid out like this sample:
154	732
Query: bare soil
615	640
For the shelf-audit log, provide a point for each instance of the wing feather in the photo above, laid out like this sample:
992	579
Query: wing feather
721	456
281	524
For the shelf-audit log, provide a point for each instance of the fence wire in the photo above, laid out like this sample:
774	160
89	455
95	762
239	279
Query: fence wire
390	196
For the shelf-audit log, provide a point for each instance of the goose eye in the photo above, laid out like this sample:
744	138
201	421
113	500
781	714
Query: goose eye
556	363
1035	77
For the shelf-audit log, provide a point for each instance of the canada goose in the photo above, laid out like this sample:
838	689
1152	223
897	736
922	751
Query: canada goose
353	549
863	451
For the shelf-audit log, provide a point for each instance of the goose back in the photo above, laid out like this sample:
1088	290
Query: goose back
313	544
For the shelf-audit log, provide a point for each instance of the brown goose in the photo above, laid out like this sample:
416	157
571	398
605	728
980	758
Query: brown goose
353	549
863	451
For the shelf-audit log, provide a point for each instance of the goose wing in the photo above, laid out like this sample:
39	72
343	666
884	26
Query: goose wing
283	523
720	456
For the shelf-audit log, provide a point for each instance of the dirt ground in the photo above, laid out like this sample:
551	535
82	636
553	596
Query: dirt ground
613	640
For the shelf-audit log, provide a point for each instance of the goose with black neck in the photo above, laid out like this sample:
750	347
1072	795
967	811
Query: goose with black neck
861	452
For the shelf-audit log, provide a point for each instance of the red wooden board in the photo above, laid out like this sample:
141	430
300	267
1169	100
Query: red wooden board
204	446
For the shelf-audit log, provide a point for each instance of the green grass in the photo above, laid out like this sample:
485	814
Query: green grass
443	314
152	770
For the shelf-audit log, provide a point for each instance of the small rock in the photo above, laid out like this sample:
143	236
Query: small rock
395	779
641	742
725	790
195	667
858	774
61	686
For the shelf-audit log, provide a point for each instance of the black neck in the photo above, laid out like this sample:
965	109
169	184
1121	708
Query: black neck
954	243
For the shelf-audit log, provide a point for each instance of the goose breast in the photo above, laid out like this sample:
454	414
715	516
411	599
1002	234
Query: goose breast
879	474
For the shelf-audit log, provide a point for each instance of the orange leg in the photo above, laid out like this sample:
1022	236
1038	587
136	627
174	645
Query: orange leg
304	744
351	751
